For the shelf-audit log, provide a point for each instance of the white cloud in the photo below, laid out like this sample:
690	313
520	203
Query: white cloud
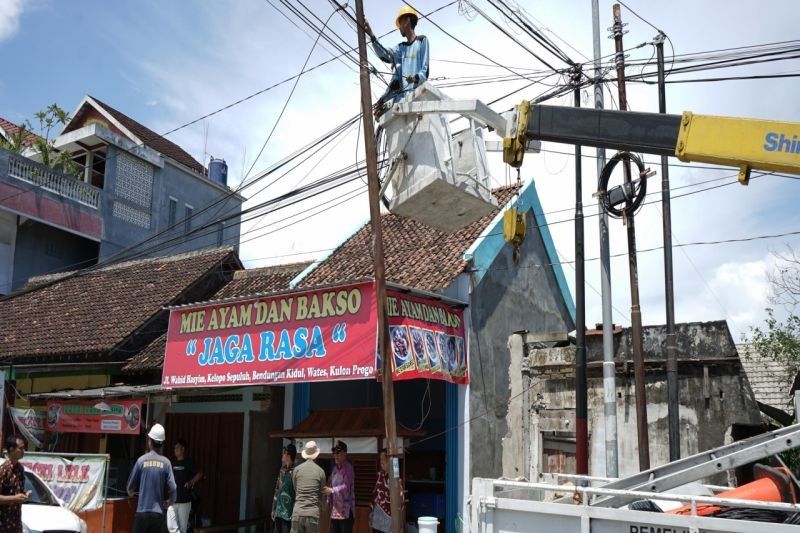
252	47
10	12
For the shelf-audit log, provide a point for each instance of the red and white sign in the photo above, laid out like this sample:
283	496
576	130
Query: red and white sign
427	339
122	416
321	335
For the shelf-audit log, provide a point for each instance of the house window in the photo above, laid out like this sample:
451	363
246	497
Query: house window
187	219
173	211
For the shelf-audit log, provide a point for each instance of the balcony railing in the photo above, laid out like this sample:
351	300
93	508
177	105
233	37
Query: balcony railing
55	182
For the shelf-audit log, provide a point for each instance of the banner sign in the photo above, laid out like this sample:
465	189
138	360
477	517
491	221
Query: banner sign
427	339
30	423
77	482
322	335
70	416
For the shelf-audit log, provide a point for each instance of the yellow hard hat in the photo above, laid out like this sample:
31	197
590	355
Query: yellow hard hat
405	10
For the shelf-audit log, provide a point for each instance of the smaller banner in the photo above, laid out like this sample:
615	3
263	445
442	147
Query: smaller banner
30	423
122	416
427	339
77	482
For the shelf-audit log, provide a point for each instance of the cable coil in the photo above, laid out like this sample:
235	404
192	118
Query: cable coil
634	197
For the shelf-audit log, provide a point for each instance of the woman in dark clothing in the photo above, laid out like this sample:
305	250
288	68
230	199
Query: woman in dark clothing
283	501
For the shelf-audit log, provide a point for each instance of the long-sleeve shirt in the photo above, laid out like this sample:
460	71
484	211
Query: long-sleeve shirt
308	480
149	476
409	59
283	501
343	499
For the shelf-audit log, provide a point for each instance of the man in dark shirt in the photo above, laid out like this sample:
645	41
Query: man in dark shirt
186	476
12	486
150	475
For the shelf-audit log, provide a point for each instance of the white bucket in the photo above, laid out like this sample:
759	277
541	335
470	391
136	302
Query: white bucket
427	524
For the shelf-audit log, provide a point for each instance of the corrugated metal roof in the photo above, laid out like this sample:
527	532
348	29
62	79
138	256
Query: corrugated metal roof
770	380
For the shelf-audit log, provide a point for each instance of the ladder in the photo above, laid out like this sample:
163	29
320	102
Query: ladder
703	465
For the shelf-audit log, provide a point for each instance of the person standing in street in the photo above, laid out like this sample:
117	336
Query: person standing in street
186	477
309	487
12	486
151	474
343	495
410	59
380	516
283	501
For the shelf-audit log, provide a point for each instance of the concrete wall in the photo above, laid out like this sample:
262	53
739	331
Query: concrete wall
60	219
508	298
188	189
43	249
714	396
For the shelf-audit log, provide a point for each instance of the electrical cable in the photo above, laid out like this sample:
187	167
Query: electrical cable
288	99
459	41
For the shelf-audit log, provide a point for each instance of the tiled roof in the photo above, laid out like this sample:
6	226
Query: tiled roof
244	283
153	139
93	312
260	280
417	255
770	380
12	129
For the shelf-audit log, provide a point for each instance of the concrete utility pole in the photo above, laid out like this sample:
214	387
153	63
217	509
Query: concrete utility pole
371	155
669	286
609	367
636	313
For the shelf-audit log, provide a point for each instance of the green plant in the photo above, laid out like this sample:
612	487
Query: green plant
50	118
16	142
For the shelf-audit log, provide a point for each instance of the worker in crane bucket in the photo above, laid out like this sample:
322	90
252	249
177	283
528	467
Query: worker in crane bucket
409	59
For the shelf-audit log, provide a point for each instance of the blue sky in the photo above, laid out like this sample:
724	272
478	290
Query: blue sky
167	62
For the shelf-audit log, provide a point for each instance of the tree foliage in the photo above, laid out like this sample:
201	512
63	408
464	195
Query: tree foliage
43	140
779	340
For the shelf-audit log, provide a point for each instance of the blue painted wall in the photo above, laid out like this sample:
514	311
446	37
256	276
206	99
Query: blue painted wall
506	298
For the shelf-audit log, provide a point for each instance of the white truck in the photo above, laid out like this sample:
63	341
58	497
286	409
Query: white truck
665	499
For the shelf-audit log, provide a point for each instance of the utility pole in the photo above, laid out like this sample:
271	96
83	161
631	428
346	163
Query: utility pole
581	395
669	286
371	155
609	367
636	313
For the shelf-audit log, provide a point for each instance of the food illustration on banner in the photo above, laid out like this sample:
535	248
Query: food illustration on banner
418	348
401	349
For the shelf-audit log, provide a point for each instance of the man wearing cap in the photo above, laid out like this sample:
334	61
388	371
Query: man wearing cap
309	487
410	58
150	475
343	496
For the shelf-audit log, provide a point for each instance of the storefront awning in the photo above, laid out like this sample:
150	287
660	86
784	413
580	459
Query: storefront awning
354	422
114	391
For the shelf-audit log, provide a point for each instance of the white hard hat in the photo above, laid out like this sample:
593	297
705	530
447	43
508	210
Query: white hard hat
157	433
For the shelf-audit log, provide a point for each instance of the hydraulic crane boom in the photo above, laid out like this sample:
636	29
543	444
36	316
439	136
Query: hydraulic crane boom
748	144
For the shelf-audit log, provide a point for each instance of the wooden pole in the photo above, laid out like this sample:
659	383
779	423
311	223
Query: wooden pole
371	155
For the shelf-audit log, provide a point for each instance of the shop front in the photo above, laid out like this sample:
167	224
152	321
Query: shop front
318	348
